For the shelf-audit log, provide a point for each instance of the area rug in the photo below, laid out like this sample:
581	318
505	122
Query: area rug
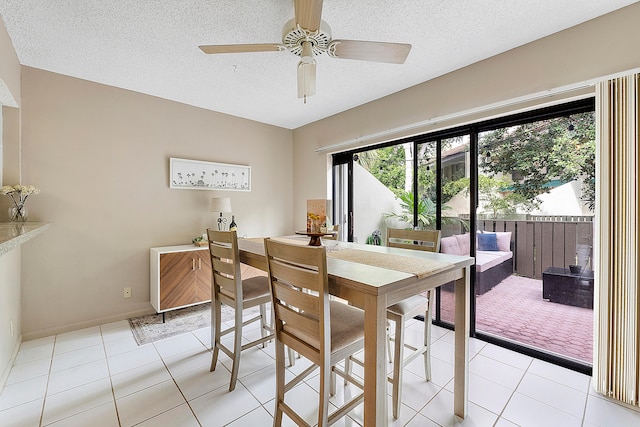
150	328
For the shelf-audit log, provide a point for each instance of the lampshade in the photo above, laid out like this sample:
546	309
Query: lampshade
306	72
220	204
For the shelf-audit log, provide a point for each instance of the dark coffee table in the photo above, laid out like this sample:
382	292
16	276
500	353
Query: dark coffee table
561	286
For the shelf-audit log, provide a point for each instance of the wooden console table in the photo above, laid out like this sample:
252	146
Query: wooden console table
180	276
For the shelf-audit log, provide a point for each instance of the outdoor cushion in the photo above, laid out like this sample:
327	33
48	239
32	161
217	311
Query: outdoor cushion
487	259
449	245
504	240
487	242
464	243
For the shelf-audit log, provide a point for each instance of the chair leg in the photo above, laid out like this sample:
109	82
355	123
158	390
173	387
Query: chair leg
427	337
323	403
398	368
292	356
216	308
237	348
347	368
389	352
280	384
263	324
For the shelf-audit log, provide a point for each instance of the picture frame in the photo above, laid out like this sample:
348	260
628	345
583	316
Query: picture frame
200	175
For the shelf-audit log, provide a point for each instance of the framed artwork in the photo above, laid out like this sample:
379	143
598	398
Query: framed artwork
199	175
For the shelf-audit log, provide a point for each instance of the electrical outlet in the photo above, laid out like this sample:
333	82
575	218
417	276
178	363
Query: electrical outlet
127	293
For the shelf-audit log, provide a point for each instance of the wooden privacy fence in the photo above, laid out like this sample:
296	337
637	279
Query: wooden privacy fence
544	241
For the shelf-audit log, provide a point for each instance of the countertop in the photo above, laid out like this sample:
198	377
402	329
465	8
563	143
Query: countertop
13	234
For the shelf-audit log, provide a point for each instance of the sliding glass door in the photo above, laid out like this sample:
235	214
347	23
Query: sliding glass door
517	194
535	199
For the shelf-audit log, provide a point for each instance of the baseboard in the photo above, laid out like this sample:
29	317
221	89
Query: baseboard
7	369
83	325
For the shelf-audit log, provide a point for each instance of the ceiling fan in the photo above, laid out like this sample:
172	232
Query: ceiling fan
307	35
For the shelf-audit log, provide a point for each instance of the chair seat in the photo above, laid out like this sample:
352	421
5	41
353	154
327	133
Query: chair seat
255	288
347	327
411	306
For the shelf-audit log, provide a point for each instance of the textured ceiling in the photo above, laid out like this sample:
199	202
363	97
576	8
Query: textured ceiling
151	46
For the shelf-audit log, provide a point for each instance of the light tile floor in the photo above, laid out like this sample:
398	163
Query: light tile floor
100	377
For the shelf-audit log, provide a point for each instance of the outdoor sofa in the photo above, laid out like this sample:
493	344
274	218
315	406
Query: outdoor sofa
494	257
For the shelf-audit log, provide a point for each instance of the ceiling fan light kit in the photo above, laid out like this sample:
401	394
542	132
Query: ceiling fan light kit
307	36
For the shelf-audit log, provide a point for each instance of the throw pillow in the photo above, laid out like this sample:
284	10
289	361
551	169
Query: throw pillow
504	240
487	242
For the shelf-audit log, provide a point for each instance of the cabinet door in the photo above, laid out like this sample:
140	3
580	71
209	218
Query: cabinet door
203	276
177	279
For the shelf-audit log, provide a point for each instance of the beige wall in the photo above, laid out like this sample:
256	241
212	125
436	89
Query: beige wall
100	156
600	47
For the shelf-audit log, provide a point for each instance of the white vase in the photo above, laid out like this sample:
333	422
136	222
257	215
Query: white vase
18	214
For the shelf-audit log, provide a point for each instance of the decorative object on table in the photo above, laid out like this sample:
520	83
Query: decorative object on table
199	241
199	175
374	238
18	195
221	204
233	226
315	237
316	214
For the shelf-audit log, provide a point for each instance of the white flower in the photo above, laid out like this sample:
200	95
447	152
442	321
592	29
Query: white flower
19	193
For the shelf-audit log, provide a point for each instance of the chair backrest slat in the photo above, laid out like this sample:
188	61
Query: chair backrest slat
303	301
422	240
225	264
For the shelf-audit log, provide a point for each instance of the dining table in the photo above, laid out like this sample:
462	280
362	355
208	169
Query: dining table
374	277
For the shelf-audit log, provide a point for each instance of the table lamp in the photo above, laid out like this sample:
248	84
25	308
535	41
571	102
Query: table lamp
221	204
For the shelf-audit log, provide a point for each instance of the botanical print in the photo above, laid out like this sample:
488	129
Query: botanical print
199	175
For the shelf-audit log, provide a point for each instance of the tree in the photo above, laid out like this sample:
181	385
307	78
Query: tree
535	154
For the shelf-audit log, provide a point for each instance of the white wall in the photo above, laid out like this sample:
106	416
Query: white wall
563	200
373	199
10	310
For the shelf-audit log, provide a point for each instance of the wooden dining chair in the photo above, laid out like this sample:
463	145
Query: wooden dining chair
336	230
308	321
424	240
227	287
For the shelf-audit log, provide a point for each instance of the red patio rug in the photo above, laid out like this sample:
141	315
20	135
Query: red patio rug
515	310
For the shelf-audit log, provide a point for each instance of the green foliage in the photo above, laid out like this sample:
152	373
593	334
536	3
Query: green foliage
539	152
451	188
426	210
387	164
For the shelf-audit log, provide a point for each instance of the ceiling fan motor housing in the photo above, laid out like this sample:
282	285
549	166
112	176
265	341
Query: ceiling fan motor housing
293	36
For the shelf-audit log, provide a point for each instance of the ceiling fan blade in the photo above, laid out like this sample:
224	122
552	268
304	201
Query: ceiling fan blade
394	53
242	48
308	14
